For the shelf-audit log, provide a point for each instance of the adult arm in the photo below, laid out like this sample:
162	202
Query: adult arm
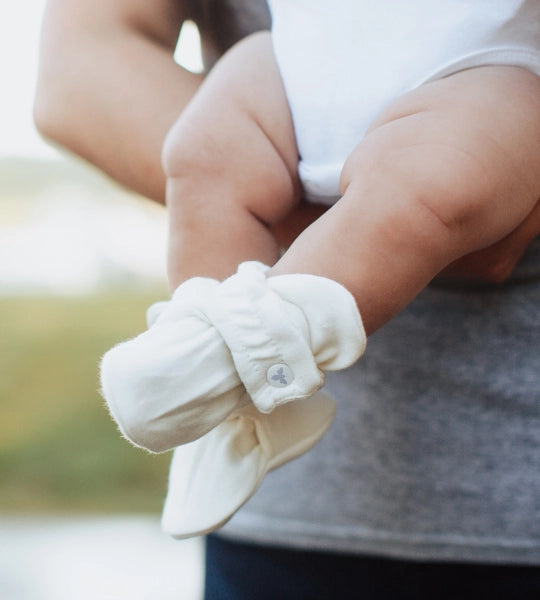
108	87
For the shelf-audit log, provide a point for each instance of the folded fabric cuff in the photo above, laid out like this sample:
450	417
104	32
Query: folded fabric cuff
271	354
282	331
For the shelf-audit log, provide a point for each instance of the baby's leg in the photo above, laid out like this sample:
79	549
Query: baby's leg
231	164
448	169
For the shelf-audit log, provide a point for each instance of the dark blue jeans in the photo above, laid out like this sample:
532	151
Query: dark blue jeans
236	571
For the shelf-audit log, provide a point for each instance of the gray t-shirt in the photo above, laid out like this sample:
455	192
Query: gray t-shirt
435	450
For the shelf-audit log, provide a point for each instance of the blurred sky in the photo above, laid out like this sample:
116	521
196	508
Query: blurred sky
19	33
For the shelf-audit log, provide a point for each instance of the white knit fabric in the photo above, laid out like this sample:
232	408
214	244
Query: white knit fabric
301	324
177	380
216	359
215	347
211	478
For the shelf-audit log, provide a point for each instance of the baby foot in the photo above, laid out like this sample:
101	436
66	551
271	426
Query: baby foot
217	347
211	478
176	381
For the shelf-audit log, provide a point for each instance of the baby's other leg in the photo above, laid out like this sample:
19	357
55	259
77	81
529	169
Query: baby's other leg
446	170
231	164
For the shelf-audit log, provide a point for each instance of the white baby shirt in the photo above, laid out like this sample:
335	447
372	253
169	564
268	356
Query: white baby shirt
342	62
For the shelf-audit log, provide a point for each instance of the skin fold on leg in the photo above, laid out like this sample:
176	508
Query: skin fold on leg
231	166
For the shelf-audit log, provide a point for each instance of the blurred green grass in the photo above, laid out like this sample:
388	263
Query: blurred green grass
59	449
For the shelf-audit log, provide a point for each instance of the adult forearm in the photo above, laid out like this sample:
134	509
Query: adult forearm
110	94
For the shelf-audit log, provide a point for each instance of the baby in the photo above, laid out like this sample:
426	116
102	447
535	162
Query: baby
418	123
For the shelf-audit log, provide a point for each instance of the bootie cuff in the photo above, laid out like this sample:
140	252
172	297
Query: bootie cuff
282	331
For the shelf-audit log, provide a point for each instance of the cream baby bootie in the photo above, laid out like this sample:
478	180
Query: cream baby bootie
215	348
176	381
229	374
211	478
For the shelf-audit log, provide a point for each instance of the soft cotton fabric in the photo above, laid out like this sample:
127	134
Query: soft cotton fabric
217	347
214	476
158	385
216	359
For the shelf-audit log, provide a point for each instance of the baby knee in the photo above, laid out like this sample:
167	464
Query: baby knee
403	168
180	149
